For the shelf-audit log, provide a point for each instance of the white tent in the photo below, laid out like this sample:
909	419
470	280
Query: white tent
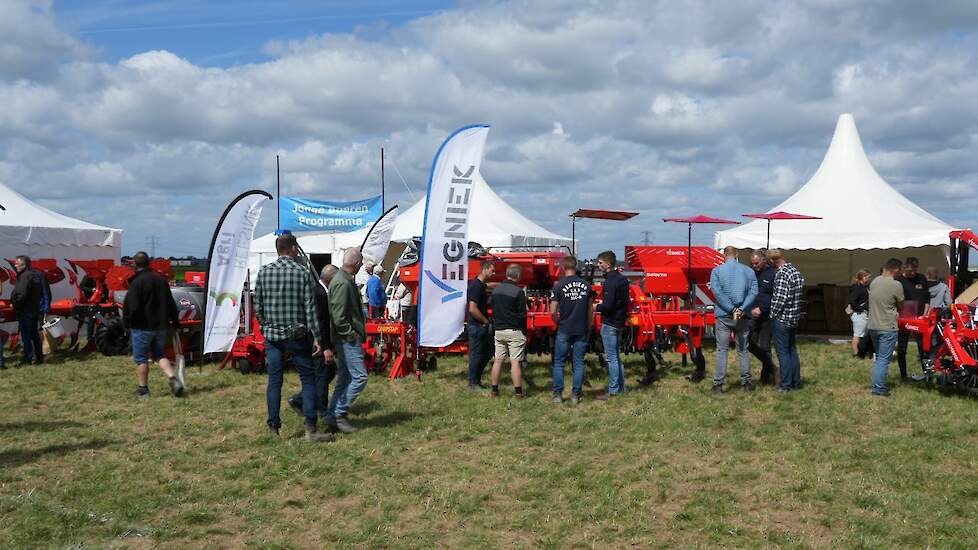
30	229
492	222
864	221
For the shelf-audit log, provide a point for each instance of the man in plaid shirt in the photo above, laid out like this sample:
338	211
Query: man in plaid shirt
286	310
785	312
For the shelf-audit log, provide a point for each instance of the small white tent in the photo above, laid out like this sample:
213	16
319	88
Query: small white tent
492	222
864	221
30	229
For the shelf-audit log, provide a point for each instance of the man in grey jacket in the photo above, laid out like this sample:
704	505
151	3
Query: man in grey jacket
735	288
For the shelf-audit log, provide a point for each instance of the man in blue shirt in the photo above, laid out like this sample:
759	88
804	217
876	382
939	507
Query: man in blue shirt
734	287
376	297
760	330
615	303
571	307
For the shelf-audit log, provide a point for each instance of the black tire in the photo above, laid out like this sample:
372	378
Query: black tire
244	366
112	338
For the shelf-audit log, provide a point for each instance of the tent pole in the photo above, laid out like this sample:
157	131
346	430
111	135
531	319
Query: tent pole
573	235
689	263
769	233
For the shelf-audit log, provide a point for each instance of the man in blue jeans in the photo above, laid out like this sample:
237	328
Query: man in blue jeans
786	303
734	286
285	306
349	331
27	299
885	296
477	325
614	306
571	307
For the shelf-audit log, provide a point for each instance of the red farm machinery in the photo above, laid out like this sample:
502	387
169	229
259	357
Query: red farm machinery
949	336
99	287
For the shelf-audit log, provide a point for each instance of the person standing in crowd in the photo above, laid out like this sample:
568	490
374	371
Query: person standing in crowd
285	306
885	296
362	278
324	364
613	308
376	296
859	311
477	324
405	299
149	312
786	312
940	296
734	286
349	331
759	340
915	291
26	299
508	303
571	307
3	342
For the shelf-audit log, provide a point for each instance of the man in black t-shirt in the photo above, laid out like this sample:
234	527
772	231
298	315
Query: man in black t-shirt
477	318
572	308
914	289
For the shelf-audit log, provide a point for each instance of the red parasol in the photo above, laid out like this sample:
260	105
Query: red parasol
689	242
778	216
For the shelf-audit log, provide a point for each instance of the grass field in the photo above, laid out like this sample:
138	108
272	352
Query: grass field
83	465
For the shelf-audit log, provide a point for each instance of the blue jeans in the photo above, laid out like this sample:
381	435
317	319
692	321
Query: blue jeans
741	329
784	340
616	372
479	351
576	346
351	377
325	373
884	341
30	336
301	350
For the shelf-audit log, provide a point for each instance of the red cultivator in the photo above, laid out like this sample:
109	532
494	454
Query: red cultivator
949	337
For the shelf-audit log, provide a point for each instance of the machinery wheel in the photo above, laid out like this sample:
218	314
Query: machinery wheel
112	338
244	366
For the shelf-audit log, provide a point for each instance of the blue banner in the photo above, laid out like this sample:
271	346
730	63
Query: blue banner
310	215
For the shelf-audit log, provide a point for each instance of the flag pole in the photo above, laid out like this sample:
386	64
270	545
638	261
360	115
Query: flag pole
278	197
383	205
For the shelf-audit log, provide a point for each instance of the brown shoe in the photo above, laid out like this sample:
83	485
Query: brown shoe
315	436
603	396
518	396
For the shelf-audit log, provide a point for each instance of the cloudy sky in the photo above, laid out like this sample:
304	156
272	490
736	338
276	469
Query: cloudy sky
150	116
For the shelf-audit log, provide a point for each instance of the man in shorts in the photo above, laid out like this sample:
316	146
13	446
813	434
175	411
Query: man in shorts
508	302
148	312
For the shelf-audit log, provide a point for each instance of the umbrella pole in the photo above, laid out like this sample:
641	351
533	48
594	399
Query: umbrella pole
768	233
689	263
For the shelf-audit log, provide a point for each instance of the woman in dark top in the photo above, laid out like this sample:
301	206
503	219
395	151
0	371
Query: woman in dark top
859	309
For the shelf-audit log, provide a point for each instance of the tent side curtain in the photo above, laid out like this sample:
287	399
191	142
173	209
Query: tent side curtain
836	267
58	236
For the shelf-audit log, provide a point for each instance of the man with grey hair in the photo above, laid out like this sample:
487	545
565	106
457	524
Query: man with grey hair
508	303
735	288
325	364
348	331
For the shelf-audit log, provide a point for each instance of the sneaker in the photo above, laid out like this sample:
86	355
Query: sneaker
343	425
518	396
748	387
315	436
478	388
575	399
603	396
494	393
557	399
273	431
779	389
176	388
140	395
717	388
696	377
884	393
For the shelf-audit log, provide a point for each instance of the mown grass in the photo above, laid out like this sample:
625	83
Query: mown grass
82	465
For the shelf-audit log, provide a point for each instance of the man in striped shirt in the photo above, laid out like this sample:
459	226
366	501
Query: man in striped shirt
786	312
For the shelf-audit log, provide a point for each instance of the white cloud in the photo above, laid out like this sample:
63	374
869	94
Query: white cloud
663	107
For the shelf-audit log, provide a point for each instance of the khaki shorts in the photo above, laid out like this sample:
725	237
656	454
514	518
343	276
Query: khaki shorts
510	344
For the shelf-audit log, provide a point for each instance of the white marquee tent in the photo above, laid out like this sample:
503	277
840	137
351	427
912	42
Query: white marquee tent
493	222
864	221
30	229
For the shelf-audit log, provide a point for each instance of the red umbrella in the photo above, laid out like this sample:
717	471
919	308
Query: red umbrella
689	243
778	216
